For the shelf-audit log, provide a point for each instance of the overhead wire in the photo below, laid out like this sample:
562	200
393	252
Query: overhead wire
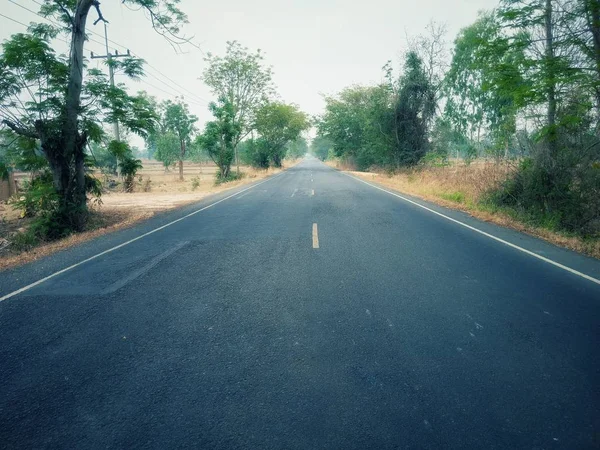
195	99
123	47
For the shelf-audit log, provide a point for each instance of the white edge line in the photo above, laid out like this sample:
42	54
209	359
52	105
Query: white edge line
516	247
112	249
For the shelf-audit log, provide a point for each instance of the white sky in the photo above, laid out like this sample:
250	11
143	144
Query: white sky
313	46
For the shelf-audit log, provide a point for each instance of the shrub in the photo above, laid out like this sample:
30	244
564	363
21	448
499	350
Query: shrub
232	176
23	241
129	168
560	192
195	183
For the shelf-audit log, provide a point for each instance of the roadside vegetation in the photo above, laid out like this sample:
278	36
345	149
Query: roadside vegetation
506	123
57	117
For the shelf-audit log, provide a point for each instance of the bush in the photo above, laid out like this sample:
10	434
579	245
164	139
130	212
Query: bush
195	183
232	176
257	153
559	192
23	241
129	168
51	219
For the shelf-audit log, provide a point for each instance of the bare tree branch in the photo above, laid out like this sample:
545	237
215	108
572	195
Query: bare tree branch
100	18
20	130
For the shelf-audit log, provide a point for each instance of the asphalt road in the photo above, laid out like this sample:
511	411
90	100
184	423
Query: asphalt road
228	329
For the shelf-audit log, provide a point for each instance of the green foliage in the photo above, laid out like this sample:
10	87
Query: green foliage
41	202
353	122
167	149
172	137
241	79
104	159
320	147
413	111
257	153
456	197
231	176
485	85
386	125
23	241
218	138
297	148
55	105
129	168
278	124
556	192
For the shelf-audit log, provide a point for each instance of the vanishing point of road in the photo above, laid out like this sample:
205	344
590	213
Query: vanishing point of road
311	310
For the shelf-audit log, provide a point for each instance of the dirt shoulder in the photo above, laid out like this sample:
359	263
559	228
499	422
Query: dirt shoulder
119	210
460	194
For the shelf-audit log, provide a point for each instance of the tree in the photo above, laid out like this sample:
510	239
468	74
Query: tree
279	124
431	47
357	122
218	138
484	86
167	149
241	78
178	121
320	147
41	95
297	148
413	111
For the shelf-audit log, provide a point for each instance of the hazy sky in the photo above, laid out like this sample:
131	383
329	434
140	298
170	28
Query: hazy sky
313	46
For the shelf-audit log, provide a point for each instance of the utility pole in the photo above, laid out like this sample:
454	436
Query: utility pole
111	75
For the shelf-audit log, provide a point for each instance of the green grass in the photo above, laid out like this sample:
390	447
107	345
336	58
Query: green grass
456	197
23	241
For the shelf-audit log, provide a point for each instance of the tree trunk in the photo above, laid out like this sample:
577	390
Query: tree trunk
66	155
550	80
593	20
181	157
237	159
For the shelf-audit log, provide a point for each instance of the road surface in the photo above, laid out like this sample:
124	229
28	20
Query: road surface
307	311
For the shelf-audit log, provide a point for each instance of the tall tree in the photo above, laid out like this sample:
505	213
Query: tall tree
432	48
218	138
41	94
244	81
484	86
548	59
178	121
413	111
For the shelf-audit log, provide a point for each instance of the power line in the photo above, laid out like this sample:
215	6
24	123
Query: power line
173	81
189	93
197	100
47	19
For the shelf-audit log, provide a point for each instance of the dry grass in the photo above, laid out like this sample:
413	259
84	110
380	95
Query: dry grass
463	188
120	210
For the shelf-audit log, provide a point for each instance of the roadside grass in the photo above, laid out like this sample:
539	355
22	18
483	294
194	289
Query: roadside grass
154	191
465	188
